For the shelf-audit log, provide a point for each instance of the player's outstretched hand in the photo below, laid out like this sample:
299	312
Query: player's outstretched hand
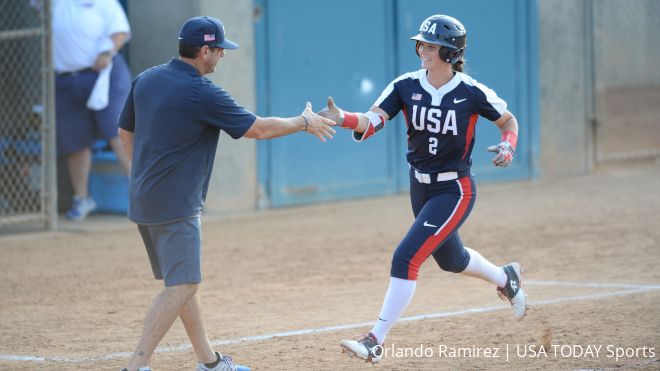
504	153
317	125
333	112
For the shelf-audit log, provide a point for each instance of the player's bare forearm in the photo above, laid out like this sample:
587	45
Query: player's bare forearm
505	149
507	122
363	120
363	123
127	140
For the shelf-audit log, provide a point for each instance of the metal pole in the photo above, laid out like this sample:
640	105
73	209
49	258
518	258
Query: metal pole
590	86
49	161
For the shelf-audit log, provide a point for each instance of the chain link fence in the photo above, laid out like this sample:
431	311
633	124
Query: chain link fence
626	42
27	156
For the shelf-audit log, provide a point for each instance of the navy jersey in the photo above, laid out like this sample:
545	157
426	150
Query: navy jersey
441	122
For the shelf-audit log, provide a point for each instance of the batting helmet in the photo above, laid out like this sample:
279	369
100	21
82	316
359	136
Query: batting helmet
445	31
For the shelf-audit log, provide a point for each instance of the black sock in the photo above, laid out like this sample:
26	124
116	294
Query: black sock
211	365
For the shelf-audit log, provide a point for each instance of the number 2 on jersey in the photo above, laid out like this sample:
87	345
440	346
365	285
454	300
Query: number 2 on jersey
433	145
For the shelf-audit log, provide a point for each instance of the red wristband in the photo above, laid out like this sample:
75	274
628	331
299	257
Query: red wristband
350	120
510	137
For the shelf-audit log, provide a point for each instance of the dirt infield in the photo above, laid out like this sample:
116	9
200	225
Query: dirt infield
590	245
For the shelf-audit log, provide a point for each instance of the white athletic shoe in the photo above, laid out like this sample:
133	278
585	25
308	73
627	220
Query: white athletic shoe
80	208
513	291
145	368
225	364
366	348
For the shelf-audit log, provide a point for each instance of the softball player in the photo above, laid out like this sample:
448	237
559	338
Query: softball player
441	106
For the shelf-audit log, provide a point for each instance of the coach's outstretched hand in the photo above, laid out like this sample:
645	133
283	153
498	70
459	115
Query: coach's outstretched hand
333	112
316	124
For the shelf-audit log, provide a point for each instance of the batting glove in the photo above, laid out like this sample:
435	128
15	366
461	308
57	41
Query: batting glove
348	120
504	152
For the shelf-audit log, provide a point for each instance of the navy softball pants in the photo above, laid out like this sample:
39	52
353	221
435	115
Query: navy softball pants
440	208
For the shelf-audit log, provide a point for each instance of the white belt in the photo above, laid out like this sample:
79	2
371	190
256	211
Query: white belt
439	177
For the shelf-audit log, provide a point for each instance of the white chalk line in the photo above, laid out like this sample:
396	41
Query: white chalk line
590	284
629	289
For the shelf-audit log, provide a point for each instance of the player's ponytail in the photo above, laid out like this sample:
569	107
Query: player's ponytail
458	66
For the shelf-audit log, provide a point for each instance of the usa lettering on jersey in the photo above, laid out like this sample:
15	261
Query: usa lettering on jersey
421	115
434	116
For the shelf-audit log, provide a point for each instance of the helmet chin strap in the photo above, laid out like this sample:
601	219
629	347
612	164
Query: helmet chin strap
450	55
446	54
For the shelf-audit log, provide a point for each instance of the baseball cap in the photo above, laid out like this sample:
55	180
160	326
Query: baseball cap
205	31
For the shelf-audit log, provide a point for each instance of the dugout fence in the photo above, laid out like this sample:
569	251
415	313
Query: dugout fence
27	124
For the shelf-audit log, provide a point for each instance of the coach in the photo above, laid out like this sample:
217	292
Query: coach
170	126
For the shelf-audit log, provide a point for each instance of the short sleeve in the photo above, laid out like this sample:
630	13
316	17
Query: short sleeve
390	100
127	115
221	110
489	105
115	18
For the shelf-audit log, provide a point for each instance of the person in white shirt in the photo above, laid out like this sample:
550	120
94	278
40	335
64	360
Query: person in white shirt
91	84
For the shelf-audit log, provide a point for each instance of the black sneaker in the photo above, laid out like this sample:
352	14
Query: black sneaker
513	291
366	348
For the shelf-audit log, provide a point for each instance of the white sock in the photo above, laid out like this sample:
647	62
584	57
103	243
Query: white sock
397	299
480	267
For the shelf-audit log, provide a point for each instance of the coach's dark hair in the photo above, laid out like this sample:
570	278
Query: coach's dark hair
189	51
458	66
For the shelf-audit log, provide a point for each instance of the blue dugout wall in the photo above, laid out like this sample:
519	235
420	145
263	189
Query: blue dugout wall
351	50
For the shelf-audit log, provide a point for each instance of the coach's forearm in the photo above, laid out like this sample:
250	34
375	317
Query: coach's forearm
273	127
127	140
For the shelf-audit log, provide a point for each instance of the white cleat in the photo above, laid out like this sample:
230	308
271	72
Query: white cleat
225	363
366	348
513	291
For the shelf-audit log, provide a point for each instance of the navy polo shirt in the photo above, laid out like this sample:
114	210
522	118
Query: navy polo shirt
176	117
